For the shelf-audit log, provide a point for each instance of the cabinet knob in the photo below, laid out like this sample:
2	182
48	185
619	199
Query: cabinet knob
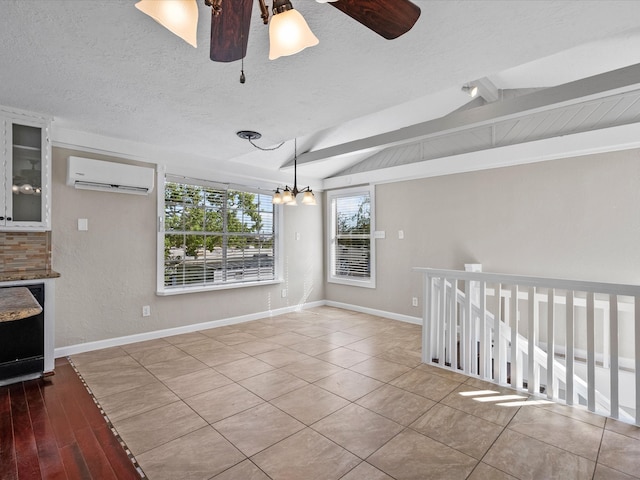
1	218
9	219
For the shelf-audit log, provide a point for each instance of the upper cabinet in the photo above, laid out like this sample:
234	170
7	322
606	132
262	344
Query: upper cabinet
25	172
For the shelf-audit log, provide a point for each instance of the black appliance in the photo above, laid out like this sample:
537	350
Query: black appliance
22	342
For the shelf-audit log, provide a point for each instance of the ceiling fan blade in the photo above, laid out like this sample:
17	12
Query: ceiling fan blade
388	18
230	31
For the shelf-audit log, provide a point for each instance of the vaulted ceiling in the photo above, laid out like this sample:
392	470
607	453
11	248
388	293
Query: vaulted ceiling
555	77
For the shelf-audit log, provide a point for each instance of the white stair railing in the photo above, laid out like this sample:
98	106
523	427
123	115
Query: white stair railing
589	325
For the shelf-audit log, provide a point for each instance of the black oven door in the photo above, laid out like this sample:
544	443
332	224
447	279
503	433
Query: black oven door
22	342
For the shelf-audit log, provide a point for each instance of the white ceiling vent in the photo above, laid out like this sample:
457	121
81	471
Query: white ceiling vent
88	174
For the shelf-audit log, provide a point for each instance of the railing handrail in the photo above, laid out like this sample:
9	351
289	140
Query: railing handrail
528	281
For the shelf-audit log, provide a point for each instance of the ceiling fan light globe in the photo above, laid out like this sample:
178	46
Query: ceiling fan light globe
289	34
180	17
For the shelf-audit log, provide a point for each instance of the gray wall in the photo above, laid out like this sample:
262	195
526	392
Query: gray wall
109	272
572	218
575	218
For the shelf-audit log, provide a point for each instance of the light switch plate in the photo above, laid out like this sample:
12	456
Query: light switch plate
83	224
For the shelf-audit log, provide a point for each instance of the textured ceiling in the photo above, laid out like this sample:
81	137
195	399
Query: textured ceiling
106	71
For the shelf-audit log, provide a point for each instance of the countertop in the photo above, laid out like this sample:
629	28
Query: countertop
27	275
17	303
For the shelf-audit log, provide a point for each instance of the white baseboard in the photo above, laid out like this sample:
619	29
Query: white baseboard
377	313
141	337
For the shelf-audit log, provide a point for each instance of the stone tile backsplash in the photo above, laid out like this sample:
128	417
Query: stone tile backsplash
25	251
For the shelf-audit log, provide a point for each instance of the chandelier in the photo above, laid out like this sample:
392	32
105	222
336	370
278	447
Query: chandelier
288	194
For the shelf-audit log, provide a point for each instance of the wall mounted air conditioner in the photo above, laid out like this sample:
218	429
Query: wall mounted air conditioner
88	174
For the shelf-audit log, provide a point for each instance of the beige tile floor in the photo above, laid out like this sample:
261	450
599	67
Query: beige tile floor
332	394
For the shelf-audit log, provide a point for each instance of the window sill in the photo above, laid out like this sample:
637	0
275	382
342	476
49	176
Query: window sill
369	283
213	288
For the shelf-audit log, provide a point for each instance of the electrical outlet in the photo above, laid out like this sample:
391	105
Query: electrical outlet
146	311
284	293
414	301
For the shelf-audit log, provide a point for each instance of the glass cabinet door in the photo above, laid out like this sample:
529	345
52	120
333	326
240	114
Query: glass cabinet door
26	168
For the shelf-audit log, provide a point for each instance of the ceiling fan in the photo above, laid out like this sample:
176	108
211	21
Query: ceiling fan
230	27
230	21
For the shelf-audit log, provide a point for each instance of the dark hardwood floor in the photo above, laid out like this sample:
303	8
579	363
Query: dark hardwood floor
52	429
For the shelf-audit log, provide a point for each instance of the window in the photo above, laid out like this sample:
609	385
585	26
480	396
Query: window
351	247
215	236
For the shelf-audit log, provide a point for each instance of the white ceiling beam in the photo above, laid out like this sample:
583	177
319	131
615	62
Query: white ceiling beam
487	90
610	83
624	137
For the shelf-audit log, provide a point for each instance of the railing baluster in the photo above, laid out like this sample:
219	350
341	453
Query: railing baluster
636	326
426	319
551	387
533	381
605	338
442	320
569	350
474	337
507	341
613	369
468	334
591	355
453	325
482	334
498	354
513	308
446	330
469	366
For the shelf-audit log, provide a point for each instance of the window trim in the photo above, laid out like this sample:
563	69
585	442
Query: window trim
331	234
161	289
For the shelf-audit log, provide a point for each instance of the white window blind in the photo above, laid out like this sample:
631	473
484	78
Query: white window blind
351	246
217	235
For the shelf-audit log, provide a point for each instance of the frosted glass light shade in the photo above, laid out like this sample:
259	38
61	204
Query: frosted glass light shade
178	16
287	196
289	34
309	198
277	198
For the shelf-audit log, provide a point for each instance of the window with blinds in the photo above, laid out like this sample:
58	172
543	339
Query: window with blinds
216	235
351	246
